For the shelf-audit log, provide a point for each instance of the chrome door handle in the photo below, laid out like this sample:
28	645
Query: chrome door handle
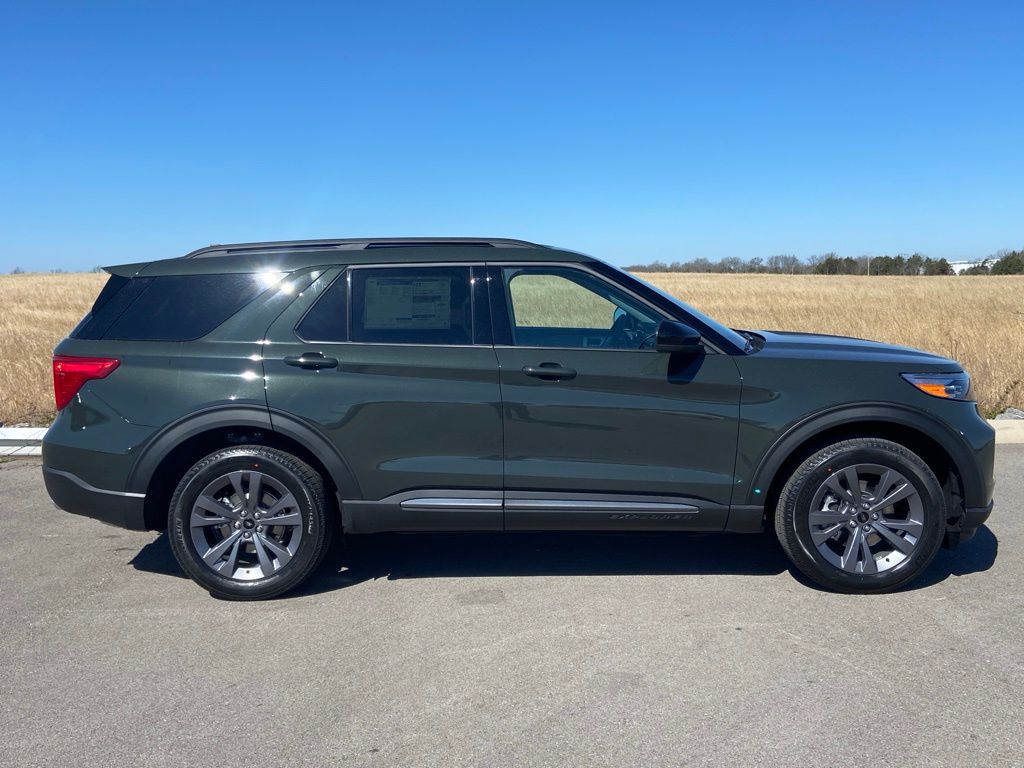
311	361
549	372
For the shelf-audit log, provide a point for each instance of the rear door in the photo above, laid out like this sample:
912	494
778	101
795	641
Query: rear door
601	431
394	364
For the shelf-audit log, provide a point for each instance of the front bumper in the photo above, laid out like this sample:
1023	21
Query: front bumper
972	519
72	494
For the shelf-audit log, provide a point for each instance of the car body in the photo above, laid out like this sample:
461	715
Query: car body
479	385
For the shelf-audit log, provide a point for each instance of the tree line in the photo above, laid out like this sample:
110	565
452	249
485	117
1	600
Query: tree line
1002	263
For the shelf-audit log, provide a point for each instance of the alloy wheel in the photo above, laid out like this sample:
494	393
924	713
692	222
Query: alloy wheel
246	525
866	518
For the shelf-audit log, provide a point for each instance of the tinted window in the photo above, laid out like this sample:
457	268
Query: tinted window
172	308
117	295
562	307
412	305
327	320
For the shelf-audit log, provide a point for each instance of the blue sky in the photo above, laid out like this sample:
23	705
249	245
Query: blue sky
633	131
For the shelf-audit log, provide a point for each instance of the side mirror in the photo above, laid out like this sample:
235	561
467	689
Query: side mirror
674	336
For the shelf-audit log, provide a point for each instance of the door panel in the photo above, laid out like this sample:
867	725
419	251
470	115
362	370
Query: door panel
622	422
403	416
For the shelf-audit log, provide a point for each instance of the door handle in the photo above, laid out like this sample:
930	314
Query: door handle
311	361
549	372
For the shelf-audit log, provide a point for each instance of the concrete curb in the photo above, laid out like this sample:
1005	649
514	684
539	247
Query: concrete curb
1008	431
22	441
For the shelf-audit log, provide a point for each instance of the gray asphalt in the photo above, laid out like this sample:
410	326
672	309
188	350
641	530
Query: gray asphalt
538	650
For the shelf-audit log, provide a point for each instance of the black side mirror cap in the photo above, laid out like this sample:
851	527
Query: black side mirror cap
674	336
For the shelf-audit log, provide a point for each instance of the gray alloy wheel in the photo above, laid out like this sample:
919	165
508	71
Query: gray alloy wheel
245	525
249	522
866	518
862	515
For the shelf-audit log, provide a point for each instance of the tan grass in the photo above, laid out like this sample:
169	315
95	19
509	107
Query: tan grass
37	311
976	320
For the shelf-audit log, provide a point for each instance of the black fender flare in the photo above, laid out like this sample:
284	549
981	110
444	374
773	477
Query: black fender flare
959	452
157	448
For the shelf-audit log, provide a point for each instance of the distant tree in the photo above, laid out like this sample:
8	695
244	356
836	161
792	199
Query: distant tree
17	271
1009	263
756	264
937	267
915	264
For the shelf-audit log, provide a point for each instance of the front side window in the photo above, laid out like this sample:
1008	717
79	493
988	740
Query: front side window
412	305
566	307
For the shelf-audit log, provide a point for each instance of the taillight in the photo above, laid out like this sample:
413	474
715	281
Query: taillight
70	373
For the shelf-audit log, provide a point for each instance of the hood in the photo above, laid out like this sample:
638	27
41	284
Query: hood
821	346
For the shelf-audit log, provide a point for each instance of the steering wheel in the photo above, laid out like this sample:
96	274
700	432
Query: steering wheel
622	334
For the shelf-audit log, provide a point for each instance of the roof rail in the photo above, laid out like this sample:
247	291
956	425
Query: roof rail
358	244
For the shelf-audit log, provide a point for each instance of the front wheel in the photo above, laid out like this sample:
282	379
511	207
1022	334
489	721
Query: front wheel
862	515
249	523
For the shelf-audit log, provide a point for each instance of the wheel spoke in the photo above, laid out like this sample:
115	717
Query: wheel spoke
255	491
283	555
282	504
853	482
201	521
849	558
913	527
901	492
866	556
822	535
837	487
228	567
893	538
236	483
289	519
216	507
883	485
266	566
214	553
827	516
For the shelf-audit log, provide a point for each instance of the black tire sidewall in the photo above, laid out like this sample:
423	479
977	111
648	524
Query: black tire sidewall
827	463
231	460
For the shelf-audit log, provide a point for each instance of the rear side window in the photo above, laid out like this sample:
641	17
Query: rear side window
170	308
412	305
327	320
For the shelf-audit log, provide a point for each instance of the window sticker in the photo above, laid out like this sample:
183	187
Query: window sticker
403	302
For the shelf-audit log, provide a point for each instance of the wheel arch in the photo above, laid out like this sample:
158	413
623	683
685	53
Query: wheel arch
167	456
943	450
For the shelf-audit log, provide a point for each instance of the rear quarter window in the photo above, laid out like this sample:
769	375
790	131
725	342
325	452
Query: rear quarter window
170	308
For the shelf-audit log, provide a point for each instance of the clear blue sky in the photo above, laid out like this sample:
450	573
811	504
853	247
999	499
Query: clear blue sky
633	131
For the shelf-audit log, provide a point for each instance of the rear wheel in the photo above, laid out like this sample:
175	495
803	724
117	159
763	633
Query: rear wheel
863	515
249	522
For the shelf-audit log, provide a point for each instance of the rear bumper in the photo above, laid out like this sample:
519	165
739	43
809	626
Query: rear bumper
73	494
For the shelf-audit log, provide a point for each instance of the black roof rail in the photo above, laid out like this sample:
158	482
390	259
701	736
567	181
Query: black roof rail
357	244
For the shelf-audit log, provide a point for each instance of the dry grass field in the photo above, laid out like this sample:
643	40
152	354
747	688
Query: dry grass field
976	320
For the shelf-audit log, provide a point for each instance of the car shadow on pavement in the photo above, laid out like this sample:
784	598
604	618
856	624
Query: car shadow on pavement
358	559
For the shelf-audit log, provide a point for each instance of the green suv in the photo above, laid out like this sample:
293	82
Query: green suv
253	399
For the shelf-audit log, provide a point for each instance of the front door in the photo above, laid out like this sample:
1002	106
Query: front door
600	430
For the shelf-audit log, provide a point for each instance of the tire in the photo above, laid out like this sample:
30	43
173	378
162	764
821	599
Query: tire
848	541
226	540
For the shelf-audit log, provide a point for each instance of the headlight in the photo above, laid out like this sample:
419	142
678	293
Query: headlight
950	386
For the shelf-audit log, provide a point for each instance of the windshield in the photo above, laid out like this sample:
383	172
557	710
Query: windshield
728	333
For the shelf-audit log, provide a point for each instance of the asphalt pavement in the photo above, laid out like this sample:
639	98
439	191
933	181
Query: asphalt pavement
517	650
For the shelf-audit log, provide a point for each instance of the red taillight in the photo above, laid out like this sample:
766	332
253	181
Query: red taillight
70	373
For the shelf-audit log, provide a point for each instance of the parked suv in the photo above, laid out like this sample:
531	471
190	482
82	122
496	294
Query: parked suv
255	398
